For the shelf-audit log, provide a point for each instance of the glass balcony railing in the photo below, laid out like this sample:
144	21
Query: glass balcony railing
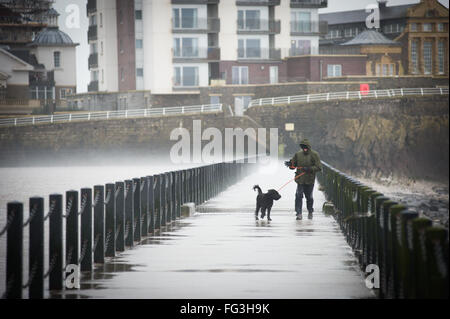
210	25
259	54
93	86
195	1
257	2
258	25
187	53
309	3
93	60
309	27
92	33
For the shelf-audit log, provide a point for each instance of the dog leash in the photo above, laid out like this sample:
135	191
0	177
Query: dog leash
292	179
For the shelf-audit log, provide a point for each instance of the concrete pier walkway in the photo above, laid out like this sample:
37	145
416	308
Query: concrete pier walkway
223	253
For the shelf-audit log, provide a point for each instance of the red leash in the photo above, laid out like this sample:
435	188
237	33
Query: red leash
293	178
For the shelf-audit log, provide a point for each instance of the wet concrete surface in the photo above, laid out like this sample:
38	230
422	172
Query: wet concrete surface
223	253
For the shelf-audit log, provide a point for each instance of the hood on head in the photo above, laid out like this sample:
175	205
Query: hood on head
305	142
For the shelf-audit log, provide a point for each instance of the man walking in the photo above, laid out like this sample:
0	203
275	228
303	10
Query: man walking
307	162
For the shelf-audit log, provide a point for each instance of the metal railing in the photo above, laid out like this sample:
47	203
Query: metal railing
123	114
334	96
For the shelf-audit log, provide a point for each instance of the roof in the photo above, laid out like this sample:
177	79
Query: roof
52	36
355	16
370	37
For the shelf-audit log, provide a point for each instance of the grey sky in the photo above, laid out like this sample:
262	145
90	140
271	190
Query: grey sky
79	34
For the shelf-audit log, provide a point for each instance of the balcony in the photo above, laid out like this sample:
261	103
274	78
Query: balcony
93	60
210	25
259	54
93	86
92	33
309	3
42	78
258	26
91	6
195	1
257	2
309	28
192	54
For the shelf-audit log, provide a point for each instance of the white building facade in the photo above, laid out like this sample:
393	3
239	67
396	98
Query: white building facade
180	45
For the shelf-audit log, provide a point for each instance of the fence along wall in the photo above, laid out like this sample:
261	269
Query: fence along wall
412	255
112	216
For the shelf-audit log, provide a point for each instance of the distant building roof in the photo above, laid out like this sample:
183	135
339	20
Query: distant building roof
355	16
370	37
52	36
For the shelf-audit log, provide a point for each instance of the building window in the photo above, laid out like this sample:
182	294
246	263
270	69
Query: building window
413	27
414	57
385	69
441	59
120	16
249	20
101	47
140	72
122	75
138	43
62	94
301	22
103	76
185	18
138	14
101	20
239	75
440	27
249	48
427	27
185	47
120	46
57	59
186	76
334	70
427	57
300	47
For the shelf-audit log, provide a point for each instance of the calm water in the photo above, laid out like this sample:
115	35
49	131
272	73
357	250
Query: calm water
21	183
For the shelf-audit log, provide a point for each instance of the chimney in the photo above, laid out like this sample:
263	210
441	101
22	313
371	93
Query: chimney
382	4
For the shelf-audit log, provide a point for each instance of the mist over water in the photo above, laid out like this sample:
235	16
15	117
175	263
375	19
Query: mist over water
49	177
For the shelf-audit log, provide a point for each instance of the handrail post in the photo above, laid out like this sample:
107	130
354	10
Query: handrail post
421	91
56	250
14	251
86	229
120	216
110	220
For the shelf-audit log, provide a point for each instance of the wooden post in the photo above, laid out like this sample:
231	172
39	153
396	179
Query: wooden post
120	216
137	208
157	201
86	230
150	204
162	205
99	225
56	252
72	228
129	216
14	251
36	249
144	203
110	220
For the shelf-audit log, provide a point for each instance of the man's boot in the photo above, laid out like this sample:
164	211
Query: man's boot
299	216
310	214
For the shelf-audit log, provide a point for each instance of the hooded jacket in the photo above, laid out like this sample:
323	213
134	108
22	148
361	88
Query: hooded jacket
312	159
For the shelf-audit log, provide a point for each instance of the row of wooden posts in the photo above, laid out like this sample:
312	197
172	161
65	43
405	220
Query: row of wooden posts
411	253
113	216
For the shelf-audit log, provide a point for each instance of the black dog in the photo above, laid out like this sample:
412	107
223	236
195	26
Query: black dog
264	201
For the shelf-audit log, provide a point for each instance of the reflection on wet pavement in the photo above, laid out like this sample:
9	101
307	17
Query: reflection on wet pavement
227	254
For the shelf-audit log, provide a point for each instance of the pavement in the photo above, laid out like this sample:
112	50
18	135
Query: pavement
223	253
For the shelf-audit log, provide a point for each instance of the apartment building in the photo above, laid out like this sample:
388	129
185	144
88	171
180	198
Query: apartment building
176	46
